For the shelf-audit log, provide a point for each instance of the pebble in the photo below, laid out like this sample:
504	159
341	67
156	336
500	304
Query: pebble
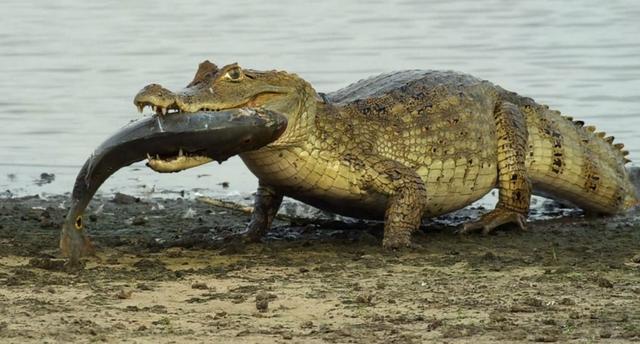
124	294
604	283
120	198
262	300
143	286
307	324
262	305
45	178
139	220
199	285
364	298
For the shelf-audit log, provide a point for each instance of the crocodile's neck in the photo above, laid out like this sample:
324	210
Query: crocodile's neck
302	114
300	138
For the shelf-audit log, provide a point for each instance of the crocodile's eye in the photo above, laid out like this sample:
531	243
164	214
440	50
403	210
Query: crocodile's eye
78	222
234	74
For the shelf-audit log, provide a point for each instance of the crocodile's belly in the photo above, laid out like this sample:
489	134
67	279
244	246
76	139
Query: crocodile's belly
332	185
454	184
316	179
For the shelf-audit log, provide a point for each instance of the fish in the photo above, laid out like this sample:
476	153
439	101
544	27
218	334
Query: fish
171	142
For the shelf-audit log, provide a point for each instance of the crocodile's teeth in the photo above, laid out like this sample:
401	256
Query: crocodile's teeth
163	110
140	107
149	157
157	156
180	152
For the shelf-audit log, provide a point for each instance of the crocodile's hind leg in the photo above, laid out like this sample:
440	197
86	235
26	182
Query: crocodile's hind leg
266	205
513	182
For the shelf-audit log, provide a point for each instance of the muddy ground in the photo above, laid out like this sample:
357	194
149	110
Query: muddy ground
163	275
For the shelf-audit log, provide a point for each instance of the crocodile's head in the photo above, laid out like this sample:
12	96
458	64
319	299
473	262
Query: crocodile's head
231	87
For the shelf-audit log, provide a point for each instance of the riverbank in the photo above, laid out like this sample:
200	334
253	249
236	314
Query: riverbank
164	273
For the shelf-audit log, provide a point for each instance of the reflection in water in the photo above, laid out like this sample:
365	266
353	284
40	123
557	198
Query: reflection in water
70	68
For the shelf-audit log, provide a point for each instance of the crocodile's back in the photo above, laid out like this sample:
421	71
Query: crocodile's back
380	85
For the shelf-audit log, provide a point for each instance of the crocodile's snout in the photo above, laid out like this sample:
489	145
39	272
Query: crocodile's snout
158	98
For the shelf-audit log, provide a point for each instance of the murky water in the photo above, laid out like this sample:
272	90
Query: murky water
69	68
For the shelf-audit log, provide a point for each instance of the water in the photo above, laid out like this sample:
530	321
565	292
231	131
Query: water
69	68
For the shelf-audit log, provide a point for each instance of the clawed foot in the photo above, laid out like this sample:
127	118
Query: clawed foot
396	244
493	219
252	235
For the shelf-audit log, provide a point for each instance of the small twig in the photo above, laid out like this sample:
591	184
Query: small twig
225	204
293	219
242	208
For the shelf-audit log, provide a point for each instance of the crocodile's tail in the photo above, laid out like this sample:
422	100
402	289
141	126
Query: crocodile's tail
571	161
633	201
615	157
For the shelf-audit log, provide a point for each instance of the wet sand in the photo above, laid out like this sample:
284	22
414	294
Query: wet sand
162	274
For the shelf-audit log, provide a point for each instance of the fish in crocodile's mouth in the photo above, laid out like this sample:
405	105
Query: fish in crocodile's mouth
170	143
183	158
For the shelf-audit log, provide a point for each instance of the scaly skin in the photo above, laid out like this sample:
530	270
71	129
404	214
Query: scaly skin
409	144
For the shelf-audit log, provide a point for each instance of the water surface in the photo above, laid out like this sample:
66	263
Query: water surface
70	68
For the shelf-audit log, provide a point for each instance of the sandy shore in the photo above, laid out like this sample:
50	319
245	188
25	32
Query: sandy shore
162	274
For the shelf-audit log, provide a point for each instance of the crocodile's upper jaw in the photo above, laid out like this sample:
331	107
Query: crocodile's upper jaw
209	93
159	99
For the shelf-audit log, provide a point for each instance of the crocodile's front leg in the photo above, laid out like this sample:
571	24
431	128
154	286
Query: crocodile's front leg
407	197
513	182
266	204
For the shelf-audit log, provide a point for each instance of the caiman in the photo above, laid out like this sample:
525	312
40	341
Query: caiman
411	144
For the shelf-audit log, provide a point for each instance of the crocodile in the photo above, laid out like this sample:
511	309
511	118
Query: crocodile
411	144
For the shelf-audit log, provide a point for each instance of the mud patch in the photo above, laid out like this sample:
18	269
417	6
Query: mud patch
186	279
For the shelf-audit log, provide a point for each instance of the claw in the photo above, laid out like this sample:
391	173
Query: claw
488	222
396	243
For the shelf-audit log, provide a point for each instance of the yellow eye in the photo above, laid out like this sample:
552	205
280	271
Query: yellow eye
234	74
79	222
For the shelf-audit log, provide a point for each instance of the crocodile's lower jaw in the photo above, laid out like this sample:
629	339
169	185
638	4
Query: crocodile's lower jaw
177	163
